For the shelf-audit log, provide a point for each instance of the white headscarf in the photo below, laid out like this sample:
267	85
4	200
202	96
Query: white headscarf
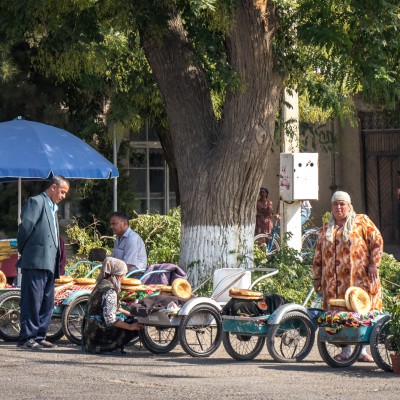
113	267
351	216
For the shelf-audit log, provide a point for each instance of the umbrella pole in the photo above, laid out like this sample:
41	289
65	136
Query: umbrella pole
115	205
19	200
19	221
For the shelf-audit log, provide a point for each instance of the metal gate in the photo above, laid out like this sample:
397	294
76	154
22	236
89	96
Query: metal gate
380	134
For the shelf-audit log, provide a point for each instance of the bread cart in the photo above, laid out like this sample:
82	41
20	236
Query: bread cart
288	331
197	324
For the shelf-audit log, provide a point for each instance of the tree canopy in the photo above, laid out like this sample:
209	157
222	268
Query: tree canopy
211	74
329	50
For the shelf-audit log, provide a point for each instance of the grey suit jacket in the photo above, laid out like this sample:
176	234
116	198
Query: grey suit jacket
38	242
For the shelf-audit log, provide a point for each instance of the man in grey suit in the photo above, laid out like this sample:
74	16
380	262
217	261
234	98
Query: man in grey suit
38	243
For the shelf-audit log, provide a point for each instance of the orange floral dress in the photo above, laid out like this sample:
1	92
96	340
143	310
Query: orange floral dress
265	217
342	264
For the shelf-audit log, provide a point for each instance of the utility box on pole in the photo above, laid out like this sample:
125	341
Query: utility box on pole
298	176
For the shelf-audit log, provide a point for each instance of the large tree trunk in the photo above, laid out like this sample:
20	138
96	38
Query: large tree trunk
220	164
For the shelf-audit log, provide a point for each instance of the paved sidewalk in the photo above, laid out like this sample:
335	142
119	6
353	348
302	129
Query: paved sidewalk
66	373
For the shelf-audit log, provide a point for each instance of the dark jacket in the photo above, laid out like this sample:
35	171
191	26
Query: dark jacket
38	242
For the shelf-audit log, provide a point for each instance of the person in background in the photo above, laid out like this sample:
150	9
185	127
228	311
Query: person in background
129	246
265	213
348	253
305	211
104	328
39	245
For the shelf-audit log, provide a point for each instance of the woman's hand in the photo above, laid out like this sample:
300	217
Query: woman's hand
373	273
135	327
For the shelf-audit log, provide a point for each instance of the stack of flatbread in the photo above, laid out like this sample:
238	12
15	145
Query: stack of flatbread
245	294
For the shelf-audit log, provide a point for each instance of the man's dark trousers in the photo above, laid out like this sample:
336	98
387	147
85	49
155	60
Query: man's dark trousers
37	303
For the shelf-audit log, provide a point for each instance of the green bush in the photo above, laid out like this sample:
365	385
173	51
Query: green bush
390	278
84	238
294	279
161	235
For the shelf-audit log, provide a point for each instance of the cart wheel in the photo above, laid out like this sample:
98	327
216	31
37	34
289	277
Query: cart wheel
200	332
292	339
9	316
242	347
159	339
55	330
72	318
329	350
381	344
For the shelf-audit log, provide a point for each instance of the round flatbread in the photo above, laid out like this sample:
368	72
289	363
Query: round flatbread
63	279
134	287
85	281
164	288
238	296
58	285
244	292
128	287
131	282
131	287
181	288
347	297
358	300
337	303
3	280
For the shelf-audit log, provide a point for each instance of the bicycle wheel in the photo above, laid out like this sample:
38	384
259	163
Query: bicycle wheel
292	339
9	316
381	344
72	318
242	347
309	239
159	339
55	330
328	351
267	243
200	332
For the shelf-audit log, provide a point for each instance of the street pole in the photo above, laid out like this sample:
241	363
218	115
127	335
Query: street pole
290	212
115	204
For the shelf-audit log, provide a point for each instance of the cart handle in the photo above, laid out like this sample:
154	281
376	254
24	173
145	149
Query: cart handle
271	273
308	296
95	264
241	273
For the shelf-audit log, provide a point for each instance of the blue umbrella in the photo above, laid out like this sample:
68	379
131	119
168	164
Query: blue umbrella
32	150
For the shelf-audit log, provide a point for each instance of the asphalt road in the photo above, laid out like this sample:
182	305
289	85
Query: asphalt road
66	373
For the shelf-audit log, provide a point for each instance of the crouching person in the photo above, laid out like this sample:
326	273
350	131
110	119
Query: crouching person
104	328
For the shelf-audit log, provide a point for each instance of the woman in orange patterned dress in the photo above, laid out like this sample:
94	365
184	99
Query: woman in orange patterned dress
348	253
265	213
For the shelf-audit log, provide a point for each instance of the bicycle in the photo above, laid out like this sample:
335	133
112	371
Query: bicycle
270	243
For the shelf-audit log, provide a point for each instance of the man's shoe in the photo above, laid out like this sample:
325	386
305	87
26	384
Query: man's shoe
30	344
47	345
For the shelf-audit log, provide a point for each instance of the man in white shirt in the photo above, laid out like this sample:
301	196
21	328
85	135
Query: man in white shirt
129	246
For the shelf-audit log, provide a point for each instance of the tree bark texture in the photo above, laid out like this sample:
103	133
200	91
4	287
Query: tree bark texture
220	164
